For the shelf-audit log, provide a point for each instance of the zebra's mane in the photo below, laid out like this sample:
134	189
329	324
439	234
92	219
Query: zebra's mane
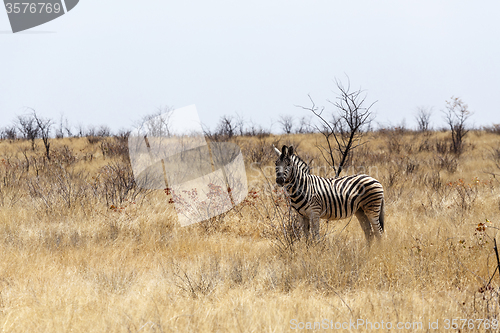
301	164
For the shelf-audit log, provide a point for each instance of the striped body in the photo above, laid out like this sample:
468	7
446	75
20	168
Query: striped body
315	197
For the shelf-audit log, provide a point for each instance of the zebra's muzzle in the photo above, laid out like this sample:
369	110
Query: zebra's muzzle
280	181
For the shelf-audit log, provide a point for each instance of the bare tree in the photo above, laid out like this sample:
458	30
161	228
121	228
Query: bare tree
226	128
44	126
67	128
240	124
96	134
91	134
305	126
123	135
456	115
60	128
158	124
104	131
63	128
9	133
494	128
286	122
28	128
344	131
423	117
80	130
257	130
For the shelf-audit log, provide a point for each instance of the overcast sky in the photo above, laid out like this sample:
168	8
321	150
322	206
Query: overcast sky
112	62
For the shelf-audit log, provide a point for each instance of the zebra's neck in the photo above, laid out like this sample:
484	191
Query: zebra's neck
298	184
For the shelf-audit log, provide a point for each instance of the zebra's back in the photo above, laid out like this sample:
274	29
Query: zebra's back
342	197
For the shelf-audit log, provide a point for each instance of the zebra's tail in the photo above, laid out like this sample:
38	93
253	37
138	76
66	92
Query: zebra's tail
381	215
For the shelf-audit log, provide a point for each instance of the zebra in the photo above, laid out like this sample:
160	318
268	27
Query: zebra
315	197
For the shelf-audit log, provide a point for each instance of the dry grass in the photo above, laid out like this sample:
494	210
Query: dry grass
83	250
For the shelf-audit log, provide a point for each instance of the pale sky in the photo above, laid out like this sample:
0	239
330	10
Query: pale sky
112	62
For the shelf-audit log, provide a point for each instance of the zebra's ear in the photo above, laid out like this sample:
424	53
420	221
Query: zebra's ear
277	151
284	150
290	150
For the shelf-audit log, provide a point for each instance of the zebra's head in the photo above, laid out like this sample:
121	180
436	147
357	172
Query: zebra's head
284	165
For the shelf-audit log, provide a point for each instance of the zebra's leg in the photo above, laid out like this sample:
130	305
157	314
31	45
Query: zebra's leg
375	214
314	212
364	221
310	224
305	221
377	227
381	217
315	226
376	217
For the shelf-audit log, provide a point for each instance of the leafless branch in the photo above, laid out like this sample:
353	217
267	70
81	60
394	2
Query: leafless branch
456	115
423	116
286	122
44	127
344	131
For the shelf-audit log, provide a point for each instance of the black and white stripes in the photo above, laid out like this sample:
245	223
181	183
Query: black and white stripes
316	197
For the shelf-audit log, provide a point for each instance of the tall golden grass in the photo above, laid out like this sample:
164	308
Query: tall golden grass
84	250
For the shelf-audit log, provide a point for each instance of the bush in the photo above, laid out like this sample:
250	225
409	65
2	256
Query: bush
495	129
8	133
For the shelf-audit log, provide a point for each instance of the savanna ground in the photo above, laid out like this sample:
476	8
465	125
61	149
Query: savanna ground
84	250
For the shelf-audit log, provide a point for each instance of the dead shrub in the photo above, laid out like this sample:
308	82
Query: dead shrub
114	148
447	162
258	150
114	183
495	129
63	155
